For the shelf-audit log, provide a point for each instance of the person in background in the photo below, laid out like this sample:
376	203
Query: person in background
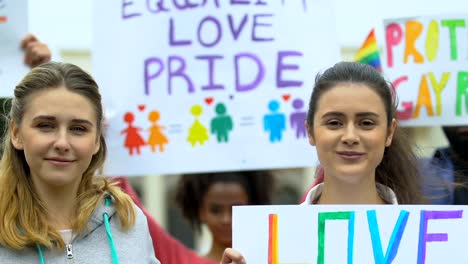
168	249
208	199
54	208
447	171
365	158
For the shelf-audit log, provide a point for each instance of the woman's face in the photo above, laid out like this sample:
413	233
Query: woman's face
216	209
350	132
59	136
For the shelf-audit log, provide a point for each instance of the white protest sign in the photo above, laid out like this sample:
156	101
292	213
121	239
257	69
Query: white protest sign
209	85
13	27
330	234
426	58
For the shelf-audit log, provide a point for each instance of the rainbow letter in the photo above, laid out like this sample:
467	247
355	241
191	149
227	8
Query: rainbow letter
438	87
393	35
273	239
452	24
462	92
408	106
394	242
424	237
432	40
413	31
424	98
321	233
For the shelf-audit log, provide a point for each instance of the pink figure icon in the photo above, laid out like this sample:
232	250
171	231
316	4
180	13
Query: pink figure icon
156	138
133	139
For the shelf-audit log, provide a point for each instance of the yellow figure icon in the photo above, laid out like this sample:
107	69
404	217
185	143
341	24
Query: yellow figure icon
197	132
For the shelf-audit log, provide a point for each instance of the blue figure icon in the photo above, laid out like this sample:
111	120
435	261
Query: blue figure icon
274	122
298	118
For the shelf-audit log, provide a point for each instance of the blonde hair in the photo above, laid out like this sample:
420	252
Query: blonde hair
24	216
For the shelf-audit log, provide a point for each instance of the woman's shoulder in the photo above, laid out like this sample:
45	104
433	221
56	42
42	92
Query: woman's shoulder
26	255
140	217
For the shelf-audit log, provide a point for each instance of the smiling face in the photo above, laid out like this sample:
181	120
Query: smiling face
59	136
350	132
216	209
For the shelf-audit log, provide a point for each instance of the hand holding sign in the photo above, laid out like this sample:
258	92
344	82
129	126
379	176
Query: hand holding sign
35	52
232	256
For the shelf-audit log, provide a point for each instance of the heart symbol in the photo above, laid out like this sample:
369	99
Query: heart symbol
286	97
209	100
141	107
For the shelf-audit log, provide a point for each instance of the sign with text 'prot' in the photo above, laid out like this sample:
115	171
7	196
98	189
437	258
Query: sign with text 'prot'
426	59
193	86
330	234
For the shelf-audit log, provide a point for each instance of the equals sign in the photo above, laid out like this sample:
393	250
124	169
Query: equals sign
247	121
3	19
174	129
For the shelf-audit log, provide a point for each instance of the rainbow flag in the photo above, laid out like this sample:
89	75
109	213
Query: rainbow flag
369	52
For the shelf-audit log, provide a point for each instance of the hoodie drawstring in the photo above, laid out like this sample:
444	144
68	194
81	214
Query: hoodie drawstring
115	258
39	251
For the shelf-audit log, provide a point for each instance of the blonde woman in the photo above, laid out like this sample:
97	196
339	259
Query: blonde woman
53	207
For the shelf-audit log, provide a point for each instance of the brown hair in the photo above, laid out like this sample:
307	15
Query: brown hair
192	188
398	169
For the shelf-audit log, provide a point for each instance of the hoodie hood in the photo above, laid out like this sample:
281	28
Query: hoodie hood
97	218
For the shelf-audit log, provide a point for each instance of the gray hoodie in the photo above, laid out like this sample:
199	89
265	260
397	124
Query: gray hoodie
134	246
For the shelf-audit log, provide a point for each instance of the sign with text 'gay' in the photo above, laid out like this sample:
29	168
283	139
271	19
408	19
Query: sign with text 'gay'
330	234
426	58
193	86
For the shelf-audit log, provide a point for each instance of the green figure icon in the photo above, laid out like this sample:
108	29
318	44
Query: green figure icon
221	124
197	132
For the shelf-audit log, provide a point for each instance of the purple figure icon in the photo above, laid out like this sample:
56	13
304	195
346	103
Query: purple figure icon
298	118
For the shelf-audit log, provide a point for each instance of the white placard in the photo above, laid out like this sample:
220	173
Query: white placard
13	27
351	234
426	58
209	86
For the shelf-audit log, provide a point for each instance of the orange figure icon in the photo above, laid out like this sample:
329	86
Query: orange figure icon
133	139
156	137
